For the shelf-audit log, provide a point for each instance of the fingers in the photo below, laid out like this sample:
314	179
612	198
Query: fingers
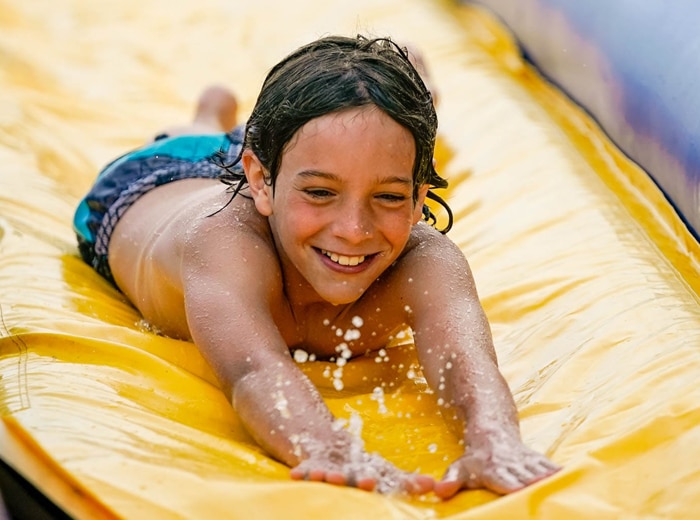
499	481
366	484
504	478
447	489
337	478
297	474
542	469
386	479
314	475
319	475
513	477
548	467
418	484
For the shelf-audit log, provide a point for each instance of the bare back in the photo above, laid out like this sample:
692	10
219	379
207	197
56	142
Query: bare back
145	251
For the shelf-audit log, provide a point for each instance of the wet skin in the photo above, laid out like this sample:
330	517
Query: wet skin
337	237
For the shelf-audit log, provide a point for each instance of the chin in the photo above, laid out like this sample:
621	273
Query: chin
343	298
341	301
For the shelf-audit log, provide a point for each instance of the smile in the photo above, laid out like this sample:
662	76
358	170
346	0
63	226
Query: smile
342	259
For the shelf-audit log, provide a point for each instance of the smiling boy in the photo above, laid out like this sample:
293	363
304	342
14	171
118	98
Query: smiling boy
324	225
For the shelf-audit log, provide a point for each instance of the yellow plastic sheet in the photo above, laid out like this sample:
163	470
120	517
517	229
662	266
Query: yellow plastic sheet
589	279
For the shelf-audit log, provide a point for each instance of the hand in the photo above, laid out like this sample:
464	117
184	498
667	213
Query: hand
345	465
502	467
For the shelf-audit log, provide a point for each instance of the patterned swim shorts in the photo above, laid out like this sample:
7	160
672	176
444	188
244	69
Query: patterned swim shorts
129	177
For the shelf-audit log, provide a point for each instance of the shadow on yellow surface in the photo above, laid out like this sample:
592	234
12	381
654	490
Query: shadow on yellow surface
590	281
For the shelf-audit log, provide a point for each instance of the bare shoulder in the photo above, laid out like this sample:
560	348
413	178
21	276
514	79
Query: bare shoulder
429	249
225	236
432	272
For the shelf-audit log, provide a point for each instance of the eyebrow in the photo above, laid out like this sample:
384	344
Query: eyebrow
392	179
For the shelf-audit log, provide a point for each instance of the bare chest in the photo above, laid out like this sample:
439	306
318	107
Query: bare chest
328	332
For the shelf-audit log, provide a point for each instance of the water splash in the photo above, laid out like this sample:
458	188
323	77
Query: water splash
378	395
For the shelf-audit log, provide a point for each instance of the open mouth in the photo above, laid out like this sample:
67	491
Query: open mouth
344	260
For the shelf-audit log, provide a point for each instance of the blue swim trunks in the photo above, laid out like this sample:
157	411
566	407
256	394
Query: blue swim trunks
136	173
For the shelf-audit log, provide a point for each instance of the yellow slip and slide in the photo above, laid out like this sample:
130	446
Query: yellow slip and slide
588	277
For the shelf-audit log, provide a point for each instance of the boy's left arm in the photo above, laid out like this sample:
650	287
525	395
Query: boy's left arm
455	348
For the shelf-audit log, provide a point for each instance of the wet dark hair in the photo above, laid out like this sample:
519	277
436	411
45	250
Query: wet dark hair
336	73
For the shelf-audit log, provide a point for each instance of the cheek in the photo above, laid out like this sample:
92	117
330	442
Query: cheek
301	220
397	227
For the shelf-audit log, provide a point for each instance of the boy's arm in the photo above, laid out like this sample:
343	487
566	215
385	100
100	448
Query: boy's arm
455	348
230	319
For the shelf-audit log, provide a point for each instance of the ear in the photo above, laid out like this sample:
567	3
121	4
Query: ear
257	177
418	209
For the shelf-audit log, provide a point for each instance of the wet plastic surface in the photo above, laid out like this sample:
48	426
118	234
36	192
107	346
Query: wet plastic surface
588	277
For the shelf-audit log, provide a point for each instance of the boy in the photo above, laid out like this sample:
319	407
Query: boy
323	226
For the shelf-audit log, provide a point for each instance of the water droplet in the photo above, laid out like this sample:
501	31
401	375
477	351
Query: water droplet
352	335
301	356
281	405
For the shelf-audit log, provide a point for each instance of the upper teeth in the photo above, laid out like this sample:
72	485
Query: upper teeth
342	259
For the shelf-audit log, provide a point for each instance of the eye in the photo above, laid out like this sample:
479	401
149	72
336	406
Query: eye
318	193
392	197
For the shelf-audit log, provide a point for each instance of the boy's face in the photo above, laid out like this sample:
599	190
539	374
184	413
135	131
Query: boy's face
343	208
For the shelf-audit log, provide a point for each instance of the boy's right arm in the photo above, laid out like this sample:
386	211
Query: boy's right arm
230	319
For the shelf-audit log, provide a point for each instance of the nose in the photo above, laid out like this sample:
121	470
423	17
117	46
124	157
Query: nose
354	223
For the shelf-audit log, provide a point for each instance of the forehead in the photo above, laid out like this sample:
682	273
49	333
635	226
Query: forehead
358	139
